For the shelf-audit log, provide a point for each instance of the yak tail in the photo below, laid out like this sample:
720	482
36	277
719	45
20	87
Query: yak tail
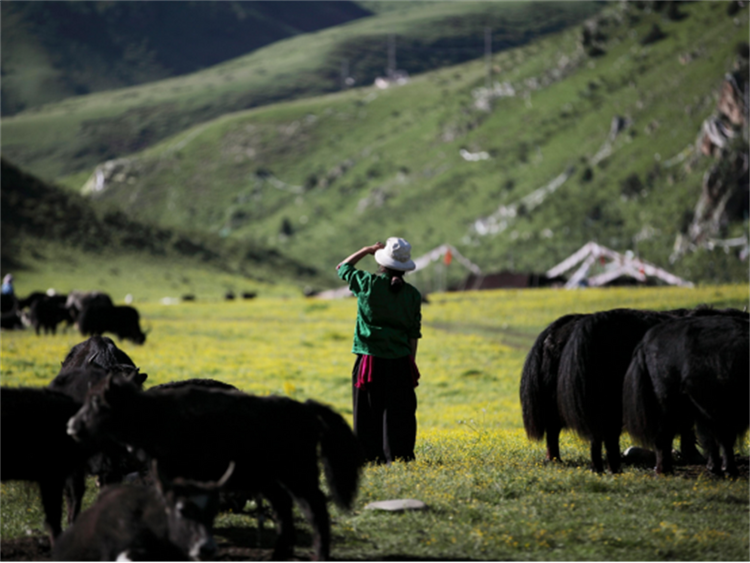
531	390
640	406
341	453
572	380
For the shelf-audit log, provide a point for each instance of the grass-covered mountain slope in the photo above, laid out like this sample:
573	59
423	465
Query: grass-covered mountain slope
588	134
75	135
54	50
53	238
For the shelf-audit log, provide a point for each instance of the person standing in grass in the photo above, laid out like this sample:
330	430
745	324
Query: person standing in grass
389	321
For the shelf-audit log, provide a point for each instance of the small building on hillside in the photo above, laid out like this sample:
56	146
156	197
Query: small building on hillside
505	279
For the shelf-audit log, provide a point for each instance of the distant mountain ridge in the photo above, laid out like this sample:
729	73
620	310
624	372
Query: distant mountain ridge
82	131
53	50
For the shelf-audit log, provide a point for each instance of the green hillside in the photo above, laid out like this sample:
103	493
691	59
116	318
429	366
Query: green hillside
54	50
77	134
546	170
52	238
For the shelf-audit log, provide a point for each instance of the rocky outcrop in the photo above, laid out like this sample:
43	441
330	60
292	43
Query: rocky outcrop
725	193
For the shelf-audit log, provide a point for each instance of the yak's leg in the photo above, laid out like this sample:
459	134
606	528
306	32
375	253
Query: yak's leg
281	504
727	453
663	447
51	493
711	447
75	487
313	504
690	452
714	459
596	455
612	443
553	442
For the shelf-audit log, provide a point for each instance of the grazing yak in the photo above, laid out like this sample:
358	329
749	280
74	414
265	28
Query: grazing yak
195	432
35	447
539	384
592	368
691	371
168	520
122	320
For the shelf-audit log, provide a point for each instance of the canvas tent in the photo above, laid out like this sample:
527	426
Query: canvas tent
613	264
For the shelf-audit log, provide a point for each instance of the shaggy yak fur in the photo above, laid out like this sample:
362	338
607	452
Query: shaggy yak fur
168	520
539	384
230	501
97	351
195	433
592	368
198	382
685	372
35	447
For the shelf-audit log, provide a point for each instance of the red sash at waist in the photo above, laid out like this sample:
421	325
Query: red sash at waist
365	371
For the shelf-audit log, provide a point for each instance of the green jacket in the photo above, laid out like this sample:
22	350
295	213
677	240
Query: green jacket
386	321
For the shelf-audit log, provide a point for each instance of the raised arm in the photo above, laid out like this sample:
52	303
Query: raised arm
361	253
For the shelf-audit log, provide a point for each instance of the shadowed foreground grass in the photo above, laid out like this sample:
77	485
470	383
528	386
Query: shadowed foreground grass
490	496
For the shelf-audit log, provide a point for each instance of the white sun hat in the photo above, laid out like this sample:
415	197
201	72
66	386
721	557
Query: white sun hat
396	255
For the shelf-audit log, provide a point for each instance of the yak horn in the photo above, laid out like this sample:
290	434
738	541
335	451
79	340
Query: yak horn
227	474
92	358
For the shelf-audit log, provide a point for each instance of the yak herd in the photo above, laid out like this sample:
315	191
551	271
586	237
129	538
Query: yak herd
91	312
164	457
655	374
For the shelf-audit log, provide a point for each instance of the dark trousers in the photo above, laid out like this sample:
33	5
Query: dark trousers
385	410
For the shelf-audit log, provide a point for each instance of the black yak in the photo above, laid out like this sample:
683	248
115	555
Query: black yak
122	320
197	382
96	351
47	312
112	462
592	367
685	372
539	384
9	303
11	320
78	300
36	447
195	432
168	520
88	363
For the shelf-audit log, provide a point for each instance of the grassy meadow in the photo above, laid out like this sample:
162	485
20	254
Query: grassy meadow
490	495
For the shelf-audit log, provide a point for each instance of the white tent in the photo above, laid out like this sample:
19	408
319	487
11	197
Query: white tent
614	265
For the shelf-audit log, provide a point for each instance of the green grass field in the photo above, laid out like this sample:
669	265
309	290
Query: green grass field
490	495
